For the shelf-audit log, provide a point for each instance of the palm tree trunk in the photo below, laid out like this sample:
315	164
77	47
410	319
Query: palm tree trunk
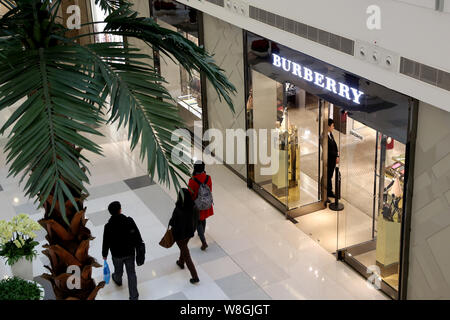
68	246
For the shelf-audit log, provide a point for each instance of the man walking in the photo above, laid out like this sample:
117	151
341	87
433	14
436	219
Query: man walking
333	158
122	236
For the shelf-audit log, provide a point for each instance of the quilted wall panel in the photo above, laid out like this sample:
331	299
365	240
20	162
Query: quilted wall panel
225	41
429	261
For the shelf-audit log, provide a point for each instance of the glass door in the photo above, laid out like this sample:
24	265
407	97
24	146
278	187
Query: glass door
372	168
357	165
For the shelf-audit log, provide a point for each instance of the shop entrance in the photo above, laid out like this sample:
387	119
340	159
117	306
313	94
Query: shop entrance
369	229
367	232
371	166
296	94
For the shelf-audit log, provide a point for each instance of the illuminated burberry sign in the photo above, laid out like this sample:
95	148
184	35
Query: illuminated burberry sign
318	79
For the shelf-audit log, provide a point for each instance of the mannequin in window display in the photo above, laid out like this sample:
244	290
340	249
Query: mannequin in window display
288	174
333	158
279	179
294	165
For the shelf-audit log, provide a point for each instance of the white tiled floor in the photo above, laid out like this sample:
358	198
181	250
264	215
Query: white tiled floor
221	268
337	229
250	241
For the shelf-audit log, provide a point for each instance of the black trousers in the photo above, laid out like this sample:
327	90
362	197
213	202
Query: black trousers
131	274
201	227
185	257
330	172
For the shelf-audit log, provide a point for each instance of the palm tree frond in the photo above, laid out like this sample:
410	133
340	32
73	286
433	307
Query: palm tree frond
46	129
109	6
139	101
125	22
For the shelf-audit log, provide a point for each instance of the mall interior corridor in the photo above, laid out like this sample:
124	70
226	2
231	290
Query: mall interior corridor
323	127
254	252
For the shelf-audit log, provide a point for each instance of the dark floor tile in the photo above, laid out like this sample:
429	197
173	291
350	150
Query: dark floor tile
158	201
237	285
175	296
139	182
107	190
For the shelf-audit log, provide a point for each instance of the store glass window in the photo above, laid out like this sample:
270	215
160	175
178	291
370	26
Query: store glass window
295	115
185	88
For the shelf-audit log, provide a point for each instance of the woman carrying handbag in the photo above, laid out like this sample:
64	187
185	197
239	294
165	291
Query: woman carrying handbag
184	222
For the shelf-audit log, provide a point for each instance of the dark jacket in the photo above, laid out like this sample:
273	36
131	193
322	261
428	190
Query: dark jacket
184	217
121	236
333	151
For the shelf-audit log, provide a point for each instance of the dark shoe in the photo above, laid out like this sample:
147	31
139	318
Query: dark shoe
181	265
204	246
119	283
331	195
194	280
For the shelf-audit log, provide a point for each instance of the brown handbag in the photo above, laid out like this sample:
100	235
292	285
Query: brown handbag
167	240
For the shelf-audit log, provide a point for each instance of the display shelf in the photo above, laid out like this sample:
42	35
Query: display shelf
392	173
397	168
190	103
401	158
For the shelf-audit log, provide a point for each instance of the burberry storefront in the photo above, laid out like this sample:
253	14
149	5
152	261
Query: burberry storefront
373	128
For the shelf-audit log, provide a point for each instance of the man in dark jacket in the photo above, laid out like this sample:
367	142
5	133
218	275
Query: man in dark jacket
121	236
333	158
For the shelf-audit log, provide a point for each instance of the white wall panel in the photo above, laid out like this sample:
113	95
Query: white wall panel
429	271
225	41
447	6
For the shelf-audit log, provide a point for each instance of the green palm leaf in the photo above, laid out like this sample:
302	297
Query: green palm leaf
58	90
65	87
140	101
46	128
125	22
109	5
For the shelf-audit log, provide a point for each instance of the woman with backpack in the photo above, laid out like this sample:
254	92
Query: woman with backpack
184	222
200	186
